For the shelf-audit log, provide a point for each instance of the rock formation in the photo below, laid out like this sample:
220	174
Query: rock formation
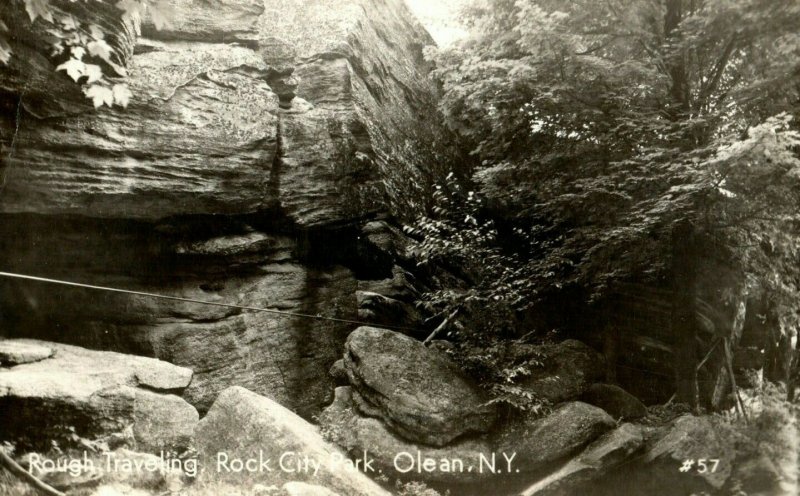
417	392
95	394
404	397
604	454
279	440
348	427
619	403
242	171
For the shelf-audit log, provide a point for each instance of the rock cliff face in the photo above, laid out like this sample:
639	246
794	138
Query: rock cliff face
240	107
242	172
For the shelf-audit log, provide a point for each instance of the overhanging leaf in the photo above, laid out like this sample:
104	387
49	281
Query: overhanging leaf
39	8
100	95
100	48
93	72
74	67
122	95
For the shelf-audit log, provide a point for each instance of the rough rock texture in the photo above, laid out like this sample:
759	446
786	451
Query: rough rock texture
691	437
598	458
619	403
758	475
561	433
240	173
19	352
304	489
357	433
162	421
272	431
338	373
239	107
281	356
229	21
382	310
569	368
417	391
97	393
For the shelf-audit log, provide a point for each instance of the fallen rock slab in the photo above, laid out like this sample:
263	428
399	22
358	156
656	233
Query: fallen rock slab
95	393
691	438
598	458
554	437
17	352
418	392
242	425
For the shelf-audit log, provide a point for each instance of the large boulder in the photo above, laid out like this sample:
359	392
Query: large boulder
619	403
97	394
275	435
562	433
418	392
567	369
348	428
601	456
691	438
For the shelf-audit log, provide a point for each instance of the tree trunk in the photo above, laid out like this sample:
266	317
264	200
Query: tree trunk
676	65
684	328
794	373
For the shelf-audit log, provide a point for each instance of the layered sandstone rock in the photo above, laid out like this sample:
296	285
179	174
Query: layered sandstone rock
251	152
282	356
96	394
240	106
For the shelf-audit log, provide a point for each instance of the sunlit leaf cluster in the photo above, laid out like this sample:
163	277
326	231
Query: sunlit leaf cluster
81	49
599	125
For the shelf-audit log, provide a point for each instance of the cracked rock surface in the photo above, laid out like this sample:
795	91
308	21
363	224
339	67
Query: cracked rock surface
238	107
97	394
253	148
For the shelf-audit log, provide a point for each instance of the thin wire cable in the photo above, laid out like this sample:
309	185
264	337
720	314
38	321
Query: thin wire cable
13	275
26	277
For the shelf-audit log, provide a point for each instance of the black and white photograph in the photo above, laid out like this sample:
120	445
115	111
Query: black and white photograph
399	247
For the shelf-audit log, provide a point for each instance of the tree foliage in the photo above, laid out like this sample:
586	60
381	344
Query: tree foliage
80	47
599	125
